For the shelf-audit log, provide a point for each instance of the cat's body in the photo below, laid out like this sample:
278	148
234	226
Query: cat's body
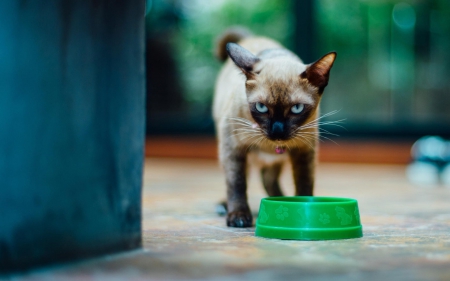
265	111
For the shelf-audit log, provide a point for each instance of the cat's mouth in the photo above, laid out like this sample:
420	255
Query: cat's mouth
280	149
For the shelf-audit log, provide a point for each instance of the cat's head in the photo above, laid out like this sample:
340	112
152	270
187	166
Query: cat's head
282	92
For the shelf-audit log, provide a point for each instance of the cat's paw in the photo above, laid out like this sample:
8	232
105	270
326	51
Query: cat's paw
239	219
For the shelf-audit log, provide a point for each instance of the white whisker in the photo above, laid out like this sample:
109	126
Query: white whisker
245	130
287	145
306	141
309	134
253	142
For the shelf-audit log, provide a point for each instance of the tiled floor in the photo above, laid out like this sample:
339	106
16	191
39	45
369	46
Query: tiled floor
406	231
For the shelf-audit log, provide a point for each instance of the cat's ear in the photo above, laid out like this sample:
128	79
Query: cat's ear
318	73
243	59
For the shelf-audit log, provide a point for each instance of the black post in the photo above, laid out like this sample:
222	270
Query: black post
304	39
71	129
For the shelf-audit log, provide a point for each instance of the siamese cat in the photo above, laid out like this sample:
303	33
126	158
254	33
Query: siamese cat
266	113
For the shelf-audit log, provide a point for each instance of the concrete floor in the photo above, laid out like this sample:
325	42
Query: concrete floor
406	231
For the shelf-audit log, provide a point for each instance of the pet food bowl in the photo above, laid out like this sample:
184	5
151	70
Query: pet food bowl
308	218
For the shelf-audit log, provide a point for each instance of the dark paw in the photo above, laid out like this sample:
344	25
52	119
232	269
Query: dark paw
239	219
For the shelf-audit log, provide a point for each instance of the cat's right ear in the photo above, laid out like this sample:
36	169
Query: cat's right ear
243	59
318	73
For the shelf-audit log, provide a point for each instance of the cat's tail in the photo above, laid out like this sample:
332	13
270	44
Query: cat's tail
231	35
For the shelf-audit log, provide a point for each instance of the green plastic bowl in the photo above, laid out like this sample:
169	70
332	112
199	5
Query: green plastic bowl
308	218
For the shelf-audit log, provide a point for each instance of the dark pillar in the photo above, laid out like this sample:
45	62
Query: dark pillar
71	129
304	39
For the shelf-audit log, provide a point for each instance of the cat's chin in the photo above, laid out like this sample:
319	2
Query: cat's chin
276	147
279	147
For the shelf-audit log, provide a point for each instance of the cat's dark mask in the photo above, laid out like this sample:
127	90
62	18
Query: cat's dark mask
282	92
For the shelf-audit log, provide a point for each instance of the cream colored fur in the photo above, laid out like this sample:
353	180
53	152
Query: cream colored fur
263	73
231	101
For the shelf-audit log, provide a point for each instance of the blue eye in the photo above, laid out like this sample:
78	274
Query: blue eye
261	107
296	109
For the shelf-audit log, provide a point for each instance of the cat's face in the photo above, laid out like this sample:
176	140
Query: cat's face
279	99
283	94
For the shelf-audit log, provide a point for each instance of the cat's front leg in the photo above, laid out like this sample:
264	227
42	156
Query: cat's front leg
234	163
303	167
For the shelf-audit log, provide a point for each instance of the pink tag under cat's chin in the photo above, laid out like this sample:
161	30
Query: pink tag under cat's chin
280	150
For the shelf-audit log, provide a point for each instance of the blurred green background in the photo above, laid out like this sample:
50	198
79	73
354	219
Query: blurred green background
391	78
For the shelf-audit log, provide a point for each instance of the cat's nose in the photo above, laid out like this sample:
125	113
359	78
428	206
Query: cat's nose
277	131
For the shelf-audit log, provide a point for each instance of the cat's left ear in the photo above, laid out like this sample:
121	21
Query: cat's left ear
243	59
318	73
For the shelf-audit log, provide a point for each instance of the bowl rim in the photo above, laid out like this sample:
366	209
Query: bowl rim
327	200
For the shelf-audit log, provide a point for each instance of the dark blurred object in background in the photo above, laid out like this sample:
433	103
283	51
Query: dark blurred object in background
431	162
71	129
164	92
